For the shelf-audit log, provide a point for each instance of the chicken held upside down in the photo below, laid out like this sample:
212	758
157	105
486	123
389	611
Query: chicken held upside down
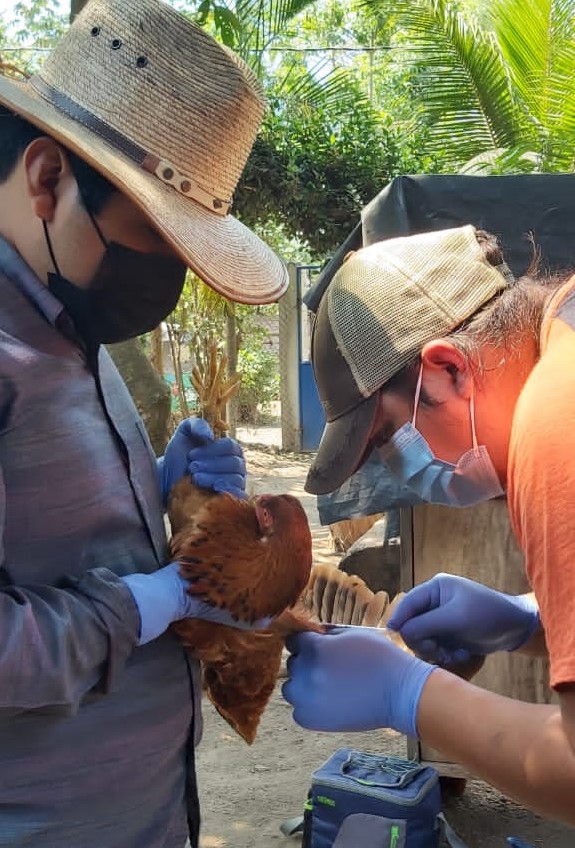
252	558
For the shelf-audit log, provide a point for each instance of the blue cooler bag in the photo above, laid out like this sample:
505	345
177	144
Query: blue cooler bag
360	800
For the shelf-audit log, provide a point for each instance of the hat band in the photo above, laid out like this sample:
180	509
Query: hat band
163	169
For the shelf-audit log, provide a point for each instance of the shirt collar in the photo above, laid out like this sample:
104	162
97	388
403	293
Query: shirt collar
14	267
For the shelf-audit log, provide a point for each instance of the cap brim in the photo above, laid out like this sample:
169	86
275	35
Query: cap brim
220	249
342	448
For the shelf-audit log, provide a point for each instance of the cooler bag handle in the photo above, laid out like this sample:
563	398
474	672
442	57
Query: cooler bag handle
376	770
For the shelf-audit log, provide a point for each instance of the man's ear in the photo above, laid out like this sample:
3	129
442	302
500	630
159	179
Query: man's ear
45	163
447	367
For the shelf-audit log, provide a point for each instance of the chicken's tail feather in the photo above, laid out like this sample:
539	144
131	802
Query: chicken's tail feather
334	597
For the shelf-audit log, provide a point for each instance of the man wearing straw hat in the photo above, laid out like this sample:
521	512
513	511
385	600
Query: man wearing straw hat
118	162
461	379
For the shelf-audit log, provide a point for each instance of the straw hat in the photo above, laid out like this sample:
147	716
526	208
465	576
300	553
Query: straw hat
169	116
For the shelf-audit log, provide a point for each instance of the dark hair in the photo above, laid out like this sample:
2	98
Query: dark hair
16	133
516	312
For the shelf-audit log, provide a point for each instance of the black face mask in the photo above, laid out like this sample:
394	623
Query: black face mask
130	294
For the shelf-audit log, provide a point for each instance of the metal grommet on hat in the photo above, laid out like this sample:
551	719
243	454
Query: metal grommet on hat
169	116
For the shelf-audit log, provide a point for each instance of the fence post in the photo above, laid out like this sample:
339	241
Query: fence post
289	308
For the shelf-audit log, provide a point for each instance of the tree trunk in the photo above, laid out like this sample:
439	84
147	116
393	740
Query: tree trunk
176	349
156	355
149	392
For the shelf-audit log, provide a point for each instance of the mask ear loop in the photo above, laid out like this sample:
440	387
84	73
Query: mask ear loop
97	227
91	217
472	416
417	393
50	248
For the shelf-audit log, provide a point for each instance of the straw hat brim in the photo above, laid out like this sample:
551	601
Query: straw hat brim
220	249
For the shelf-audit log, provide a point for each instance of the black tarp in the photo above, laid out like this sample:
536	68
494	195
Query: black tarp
522	211
514	208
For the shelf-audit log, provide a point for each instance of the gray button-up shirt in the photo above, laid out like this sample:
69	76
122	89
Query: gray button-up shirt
95	733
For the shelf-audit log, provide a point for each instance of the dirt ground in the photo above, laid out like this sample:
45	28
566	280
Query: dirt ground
247	792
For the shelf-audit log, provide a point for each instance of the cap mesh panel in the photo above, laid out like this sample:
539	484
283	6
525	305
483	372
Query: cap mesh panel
391	298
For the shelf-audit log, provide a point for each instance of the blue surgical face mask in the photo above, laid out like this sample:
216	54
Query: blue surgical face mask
409	457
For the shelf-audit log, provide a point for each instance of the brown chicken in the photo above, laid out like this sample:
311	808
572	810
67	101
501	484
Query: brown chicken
252	558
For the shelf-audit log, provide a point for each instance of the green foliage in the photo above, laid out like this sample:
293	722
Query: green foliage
221	20
200	311
34	24
199	315
260	384
262	22
289	247
40	21
247	26
202	314
538	49
322	153
496	90
335	132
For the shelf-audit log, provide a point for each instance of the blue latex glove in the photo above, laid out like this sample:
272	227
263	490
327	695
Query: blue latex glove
213	464
448	618
161	598
353	679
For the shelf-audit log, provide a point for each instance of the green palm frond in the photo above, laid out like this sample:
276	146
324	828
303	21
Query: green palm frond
263	20
539	50
504	86
466	95
503	160
321	87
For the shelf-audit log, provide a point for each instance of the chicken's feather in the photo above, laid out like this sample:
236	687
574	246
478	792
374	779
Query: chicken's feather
231	562
231	565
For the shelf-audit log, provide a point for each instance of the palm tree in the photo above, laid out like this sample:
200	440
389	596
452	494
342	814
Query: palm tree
496	94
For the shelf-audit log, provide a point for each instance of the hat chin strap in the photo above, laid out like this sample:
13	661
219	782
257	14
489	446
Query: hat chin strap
161	168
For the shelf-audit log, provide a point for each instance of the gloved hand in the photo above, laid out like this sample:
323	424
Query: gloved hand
213	464
353	679
161	598
449	618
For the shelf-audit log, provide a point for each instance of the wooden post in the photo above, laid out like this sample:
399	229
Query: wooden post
477	543
289	364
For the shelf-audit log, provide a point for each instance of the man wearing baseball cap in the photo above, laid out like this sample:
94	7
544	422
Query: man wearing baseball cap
118	163
426	351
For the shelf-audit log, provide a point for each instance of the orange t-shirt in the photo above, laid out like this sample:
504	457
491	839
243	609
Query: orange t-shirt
541	481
